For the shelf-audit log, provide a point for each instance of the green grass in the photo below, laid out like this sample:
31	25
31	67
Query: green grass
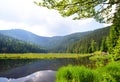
108	73
41	56
74	74
111	72
99	57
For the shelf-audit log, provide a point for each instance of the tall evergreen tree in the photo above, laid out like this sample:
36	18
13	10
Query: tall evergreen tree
93	44
116	51
104	45
114	31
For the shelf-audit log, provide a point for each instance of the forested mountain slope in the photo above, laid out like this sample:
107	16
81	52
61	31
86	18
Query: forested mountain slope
66	40
80	42
46	42
89	43
11	45
25	36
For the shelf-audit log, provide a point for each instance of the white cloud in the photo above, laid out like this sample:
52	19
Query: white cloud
24	14
37	29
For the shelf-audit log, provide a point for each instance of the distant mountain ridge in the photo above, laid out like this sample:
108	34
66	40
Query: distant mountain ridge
25	36
85	44
12	45
56	43
47	42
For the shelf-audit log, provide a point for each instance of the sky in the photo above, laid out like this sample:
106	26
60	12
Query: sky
24	14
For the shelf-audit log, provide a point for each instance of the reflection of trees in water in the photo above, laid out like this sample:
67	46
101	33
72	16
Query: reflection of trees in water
6	64
16	68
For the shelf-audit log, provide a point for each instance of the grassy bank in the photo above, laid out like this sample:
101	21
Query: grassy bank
108	73
41	56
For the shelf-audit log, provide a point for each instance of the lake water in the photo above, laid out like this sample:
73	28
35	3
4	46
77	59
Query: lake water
40	76
15	70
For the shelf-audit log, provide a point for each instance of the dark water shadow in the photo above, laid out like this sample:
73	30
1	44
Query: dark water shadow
40	65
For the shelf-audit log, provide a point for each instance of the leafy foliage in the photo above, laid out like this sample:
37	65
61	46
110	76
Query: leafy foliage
99	9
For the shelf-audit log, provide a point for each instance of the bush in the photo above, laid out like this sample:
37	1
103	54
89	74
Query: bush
75	74
109	73
113	69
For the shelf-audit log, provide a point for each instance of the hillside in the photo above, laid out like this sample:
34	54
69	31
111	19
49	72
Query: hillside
46	42
67	40
11	45
92	39
25	36
74	43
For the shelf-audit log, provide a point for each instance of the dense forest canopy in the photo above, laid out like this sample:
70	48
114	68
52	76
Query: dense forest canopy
91	42
11	45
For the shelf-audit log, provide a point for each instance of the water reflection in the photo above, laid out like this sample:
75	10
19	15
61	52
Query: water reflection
40	76
39	65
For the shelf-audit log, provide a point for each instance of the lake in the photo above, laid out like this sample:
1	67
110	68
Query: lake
22	68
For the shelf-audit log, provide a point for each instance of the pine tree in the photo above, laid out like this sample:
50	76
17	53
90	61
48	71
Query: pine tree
93	43
116	50
104	45
114	31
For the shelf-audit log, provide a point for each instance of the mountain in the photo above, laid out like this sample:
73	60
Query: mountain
11	45
66	40
89	41
46	42
25	36
76	42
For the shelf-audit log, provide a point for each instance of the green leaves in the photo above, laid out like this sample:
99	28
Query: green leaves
82	8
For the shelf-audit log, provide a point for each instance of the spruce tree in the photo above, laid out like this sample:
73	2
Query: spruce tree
116	51
93	43
114	31
104	45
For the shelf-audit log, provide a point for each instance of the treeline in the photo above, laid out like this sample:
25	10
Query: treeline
94	41
11	45
63	43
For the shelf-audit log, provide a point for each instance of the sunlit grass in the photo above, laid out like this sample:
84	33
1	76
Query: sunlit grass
98	57
41	55
108	73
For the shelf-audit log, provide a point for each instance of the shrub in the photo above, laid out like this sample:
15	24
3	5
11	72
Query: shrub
75	74
109	73
114	70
